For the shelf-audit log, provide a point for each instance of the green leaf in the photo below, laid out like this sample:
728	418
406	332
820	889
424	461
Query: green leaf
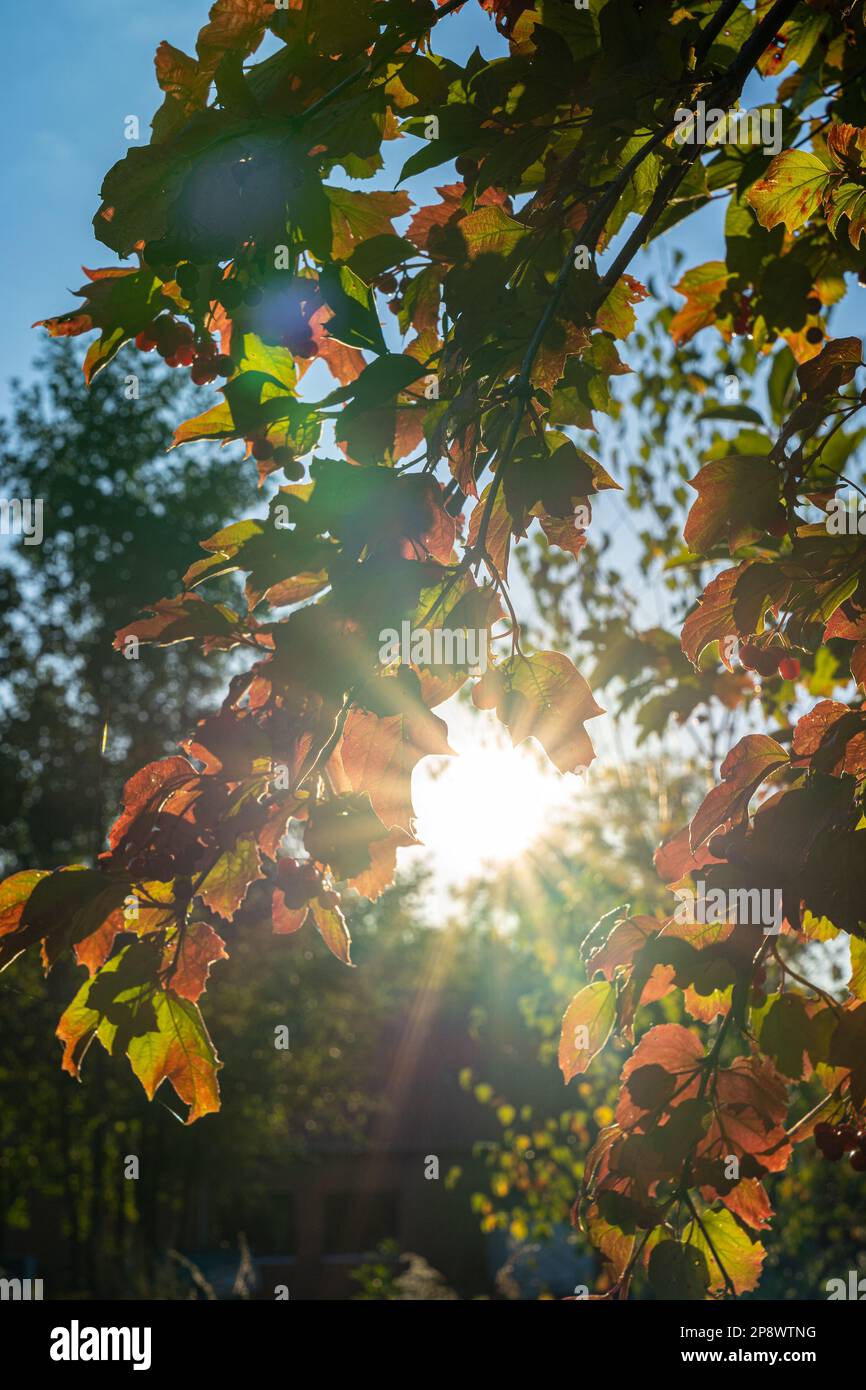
380	382
731	412
741	1256
355	321
678	1271
113	1005
784	1034
586	1027
377	254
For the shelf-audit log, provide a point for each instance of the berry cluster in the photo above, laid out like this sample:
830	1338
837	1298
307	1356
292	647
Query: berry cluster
768	661
280	456
300	880
834	1141
176	344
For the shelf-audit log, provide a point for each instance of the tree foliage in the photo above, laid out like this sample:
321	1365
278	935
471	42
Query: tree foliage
455	421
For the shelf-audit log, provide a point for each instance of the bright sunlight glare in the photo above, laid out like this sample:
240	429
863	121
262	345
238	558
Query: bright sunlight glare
488	805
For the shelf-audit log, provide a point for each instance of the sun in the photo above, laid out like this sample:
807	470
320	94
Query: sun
490	804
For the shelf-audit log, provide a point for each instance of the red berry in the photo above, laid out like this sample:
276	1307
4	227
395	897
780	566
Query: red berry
263	449
284	458
224	364
163	333
145	340
328	898
202	372
299	881
309	876
831	1147
858	1161
789	668
172	359
847	1136
186	354
764	660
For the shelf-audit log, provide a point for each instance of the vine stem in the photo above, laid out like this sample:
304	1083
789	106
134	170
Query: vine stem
823	1104
808	984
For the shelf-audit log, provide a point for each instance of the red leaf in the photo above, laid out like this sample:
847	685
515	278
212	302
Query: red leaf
149	788
200	947
744	769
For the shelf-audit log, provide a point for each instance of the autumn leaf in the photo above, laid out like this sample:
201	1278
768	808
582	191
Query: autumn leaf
586	1027
61	909
184	619
616	316
833	368
332	928
546	698
671	1049
120	303
149	789
180	1051
357	216
703	288
14	894
791	190
379	756
225	886
196	949
747	765
738	497
490	231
